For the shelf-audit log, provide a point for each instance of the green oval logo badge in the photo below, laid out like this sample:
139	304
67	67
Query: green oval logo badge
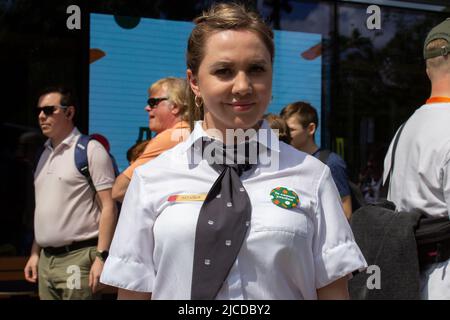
284	198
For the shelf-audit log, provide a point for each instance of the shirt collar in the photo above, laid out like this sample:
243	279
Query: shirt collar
317	152
265	136
68	141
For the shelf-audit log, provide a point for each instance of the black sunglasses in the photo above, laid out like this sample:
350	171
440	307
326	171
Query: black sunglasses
153	102
48	110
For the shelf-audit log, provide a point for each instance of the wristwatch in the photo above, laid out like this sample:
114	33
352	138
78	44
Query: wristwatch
102	255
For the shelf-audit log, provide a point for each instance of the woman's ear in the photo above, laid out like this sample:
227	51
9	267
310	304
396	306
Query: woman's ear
193	82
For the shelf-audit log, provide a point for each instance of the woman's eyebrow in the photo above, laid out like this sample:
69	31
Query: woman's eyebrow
219	64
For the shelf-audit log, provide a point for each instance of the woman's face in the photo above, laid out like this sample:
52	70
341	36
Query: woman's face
234	80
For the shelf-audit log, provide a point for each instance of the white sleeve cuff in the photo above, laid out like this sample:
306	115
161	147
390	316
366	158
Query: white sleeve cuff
338	262
127	274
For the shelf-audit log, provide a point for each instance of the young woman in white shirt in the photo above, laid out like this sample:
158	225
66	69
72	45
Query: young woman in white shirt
295	242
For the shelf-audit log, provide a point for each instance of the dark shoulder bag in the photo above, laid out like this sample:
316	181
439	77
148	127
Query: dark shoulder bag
432	234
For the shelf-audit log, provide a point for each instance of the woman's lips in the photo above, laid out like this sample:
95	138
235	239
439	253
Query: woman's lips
242	106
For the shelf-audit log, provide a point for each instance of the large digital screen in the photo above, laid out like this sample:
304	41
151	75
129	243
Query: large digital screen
127	56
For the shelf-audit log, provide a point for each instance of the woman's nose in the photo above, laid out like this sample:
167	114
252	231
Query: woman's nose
242	84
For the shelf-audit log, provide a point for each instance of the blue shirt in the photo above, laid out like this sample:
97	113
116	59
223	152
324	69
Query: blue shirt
338	172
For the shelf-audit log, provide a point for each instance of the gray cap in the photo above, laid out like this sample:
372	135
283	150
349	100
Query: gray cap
441	31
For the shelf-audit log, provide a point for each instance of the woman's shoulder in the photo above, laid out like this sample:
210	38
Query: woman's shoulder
290	157
306	170
170	160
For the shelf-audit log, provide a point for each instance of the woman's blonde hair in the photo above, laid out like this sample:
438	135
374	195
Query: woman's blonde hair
178	93
221	17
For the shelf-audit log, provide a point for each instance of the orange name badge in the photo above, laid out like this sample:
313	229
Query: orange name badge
187	197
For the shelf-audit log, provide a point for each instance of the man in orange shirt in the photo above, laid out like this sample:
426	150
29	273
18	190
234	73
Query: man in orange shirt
167	108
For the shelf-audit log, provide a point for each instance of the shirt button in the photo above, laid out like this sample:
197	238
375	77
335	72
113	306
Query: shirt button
229	204
228	243
218	196
207	262
247	223
241	189
210	222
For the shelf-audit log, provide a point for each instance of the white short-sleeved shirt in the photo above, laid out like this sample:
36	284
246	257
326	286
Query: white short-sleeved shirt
421	176
421	180
64	210
287	253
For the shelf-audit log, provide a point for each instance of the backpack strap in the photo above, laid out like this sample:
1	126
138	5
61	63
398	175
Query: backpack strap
394	148
81	159
385	187
115	166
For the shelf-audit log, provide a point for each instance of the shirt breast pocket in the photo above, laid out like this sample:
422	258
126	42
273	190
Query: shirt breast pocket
266	216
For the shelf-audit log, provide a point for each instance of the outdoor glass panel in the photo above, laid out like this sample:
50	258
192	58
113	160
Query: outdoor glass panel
382	80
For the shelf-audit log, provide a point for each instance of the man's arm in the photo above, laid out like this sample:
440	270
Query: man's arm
31	268
347	205
120	187
108	220
338	170
337	290
133	295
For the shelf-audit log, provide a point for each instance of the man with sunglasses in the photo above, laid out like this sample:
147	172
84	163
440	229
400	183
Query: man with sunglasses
73	224
167	109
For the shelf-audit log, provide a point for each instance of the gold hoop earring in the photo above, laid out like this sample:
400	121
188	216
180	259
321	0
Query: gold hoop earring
197	103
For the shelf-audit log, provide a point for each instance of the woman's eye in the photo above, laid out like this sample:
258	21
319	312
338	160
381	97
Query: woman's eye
222	72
